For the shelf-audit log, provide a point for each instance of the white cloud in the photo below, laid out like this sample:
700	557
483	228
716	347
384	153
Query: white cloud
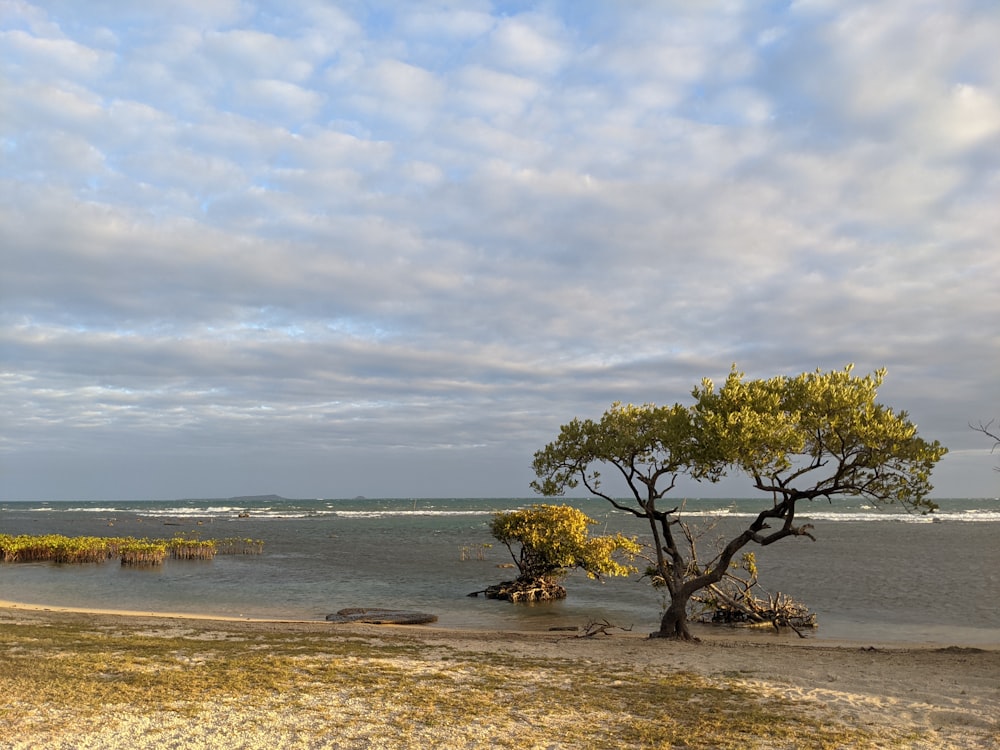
490	93
454	21
965	118
46	56
436	227
423	173
336	27
264	56
405	84
529	42
280	101
404	95
54	106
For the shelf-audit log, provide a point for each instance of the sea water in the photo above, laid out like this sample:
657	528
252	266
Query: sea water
879	575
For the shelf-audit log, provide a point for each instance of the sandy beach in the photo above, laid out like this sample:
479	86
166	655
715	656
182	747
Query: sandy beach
931	696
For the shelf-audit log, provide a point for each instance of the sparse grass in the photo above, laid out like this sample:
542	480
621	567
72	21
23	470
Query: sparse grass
73	675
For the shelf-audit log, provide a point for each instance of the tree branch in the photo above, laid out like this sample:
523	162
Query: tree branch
986	430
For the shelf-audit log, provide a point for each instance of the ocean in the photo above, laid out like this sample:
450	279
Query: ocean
878	575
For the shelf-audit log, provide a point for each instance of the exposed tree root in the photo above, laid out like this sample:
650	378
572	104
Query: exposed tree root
537	590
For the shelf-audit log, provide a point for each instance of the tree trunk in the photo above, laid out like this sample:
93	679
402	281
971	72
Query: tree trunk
674	623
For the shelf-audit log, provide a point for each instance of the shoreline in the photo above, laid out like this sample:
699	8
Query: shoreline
705	633
12	605
315	565
939	696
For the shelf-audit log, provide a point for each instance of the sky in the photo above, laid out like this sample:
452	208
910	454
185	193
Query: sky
328	249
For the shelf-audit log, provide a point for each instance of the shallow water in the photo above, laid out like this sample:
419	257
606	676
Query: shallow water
871	575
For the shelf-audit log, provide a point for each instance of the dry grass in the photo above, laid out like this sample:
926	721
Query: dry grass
70	677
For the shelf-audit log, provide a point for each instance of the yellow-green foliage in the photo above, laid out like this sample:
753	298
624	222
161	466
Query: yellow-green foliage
818	434
191	548
647	443
56	548
828	423
142	552
554	539
92	549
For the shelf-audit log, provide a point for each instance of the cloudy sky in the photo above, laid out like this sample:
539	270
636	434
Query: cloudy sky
324	249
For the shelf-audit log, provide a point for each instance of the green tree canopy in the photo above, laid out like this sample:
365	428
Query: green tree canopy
817	435
647	446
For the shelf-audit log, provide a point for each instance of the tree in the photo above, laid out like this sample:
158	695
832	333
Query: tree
648	447
798	438
986	429
552	540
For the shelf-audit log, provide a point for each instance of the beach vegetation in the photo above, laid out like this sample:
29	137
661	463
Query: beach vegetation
474	551
183	547
142	553
546	542
56	548
815	436
239	546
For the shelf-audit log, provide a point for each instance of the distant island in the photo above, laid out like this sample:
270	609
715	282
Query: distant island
238	499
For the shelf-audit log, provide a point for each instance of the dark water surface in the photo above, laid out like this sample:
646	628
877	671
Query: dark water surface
876	575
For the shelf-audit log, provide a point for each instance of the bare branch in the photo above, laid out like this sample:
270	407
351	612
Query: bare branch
987	430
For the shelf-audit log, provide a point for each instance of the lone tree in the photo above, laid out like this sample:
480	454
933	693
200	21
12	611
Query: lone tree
817	435
547	542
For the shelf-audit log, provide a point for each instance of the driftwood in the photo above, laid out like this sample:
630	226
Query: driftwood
600	627
741	607
377	616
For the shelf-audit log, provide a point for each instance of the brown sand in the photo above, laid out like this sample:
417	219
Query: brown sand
950	695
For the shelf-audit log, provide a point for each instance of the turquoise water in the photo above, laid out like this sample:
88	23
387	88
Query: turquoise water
878	575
